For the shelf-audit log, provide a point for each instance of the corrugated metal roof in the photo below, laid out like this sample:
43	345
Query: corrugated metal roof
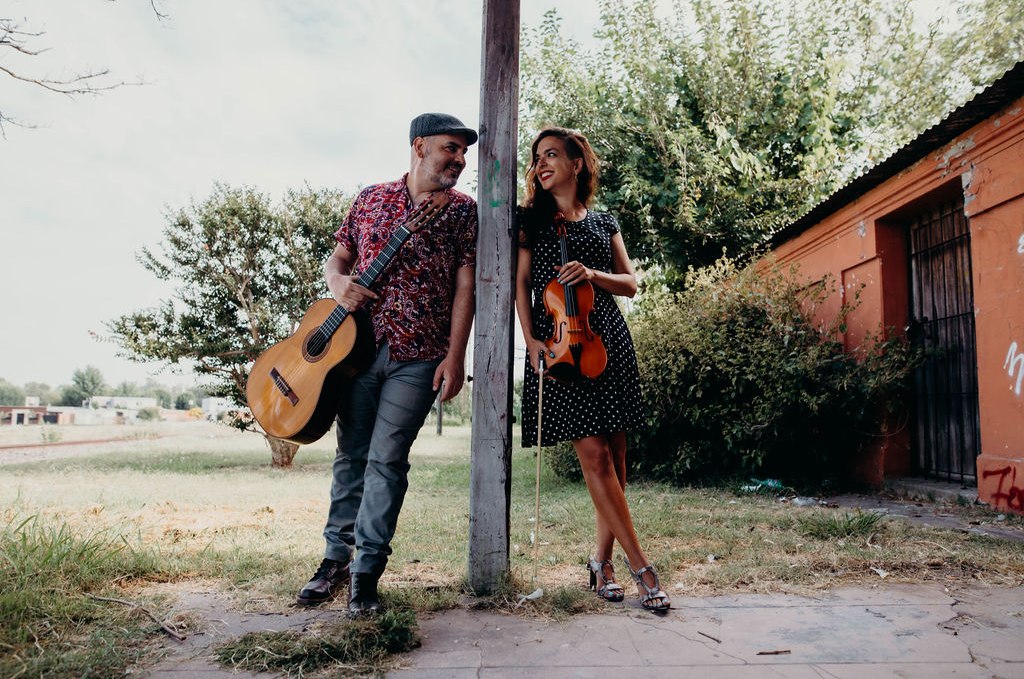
1009	87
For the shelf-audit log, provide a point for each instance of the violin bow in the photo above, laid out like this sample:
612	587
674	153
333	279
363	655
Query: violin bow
536	510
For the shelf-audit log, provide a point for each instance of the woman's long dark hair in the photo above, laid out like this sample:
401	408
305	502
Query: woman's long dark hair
539	204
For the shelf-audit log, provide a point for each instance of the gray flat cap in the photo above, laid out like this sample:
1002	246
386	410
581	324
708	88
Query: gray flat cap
428	124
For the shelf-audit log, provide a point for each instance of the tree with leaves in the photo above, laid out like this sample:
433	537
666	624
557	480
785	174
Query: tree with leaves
11	394
85	383
723	122
245	271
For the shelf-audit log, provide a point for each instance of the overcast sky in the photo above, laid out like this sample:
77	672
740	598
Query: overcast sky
247	92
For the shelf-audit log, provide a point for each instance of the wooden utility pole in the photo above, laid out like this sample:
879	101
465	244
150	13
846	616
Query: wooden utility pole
491	447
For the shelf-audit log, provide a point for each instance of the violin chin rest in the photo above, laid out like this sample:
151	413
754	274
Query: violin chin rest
564	372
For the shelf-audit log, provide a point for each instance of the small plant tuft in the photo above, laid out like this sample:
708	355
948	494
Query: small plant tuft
835	525
353	646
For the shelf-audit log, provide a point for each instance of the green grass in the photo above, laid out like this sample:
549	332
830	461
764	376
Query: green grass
49	626
839	525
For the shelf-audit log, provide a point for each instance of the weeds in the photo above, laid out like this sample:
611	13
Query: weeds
835	525
353	646
48	626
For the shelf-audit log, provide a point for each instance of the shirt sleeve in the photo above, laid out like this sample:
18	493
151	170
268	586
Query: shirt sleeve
466	256
346	235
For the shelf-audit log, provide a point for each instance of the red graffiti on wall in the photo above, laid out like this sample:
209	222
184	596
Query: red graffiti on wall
1013	494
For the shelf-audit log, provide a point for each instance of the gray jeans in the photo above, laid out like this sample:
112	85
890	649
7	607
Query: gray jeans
381	414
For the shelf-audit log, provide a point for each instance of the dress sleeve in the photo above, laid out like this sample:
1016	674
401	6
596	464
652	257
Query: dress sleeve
611	225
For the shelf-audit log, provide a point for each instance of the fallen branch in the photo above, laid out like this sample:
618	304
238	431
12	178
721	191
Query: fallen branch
171	632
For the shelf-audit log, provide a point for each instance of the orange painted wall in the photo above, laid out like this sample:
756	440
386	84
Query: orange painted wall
864	243
995	206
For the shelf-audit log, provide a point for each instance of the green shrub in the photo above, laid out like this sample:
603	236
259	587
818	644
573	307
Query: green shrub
738	379
561	459
149	414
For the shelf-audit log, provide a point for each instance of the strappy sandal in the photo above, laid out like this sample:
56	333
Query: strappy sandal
609	589
651	598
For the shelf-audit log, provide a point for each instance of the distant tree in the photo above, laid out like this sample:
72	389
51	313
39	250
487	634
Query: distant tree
127	389
245	270
162	394
184	401
47	395
722	122
85	383
11	394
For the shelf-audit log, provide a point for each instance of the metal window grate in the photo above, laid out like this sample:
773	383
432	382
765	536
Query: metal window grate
947	436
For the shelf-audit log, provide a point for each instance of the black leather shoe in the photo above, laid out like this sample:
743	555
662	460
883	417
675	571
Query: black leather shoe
328	579
362	595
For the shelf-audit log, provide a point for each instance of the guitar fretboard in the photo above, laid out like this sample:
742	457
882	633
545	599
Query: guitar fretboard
366	279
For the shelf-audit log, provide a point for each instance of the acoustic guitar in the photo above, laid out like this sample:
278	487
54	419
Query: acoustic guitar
294	388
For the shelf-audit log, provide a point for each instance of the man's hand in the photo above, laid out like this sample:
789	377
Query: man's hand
450	376
348	293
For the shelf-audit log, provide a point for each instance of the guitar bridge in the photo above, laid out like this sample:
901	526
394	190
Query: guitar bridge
281	384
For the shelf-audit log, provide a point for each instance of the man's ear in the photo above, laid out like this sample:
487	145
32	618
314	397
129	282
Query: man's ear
419	145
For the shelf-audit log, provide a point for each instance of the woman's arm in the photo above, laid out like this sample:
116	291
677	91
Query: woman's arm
620	281
523	306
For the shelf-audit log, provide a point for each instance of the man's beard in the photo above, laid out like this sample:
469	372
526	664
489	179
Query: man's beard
444	179
441	175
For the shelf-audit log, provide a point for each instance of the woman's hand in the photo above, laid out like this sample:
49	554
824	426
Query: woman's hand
573	272
535	347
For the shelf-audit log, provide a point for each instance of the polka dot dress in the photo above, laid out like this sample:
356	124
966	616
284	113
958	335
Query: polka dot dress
610	403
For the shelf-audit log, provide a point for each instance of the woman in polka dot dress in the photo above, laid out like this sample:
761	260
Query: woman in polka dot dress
593	414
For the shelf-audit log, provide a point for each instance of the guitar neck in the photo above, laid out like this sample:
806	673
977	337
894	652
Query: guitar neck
369	276
381	261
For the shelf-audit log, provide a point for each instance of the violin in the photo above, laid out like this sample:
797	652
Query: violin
574	351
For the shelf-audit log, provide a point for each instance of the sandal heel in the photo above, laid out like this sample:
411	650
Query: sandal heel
605	587
652	597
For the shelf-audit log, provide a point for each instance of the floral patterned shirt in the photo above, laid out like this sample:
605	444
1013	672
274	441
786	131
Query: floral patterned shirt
417	289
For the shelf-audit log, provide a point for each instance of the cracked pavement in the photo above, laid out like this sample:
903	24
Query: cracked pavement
892	630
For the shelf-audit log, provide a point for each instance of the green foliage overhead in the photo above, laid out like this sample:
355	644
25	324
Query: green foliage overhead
739	379
721	122
245	271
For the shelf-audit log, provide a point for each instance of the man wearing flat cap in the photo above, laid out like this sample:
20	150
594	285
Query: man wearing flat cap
420	308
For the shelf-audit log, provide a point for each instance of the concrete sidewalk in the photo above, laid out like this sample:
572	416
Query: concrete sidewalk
892	631
911	631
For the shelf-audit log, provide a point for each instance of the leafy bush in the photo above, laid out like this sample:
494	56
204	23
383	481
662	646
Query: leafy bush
561	459
738	378
149	414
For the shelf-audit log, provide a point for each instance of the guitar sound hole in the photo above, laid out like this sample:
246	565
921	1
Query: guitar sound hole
316	345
